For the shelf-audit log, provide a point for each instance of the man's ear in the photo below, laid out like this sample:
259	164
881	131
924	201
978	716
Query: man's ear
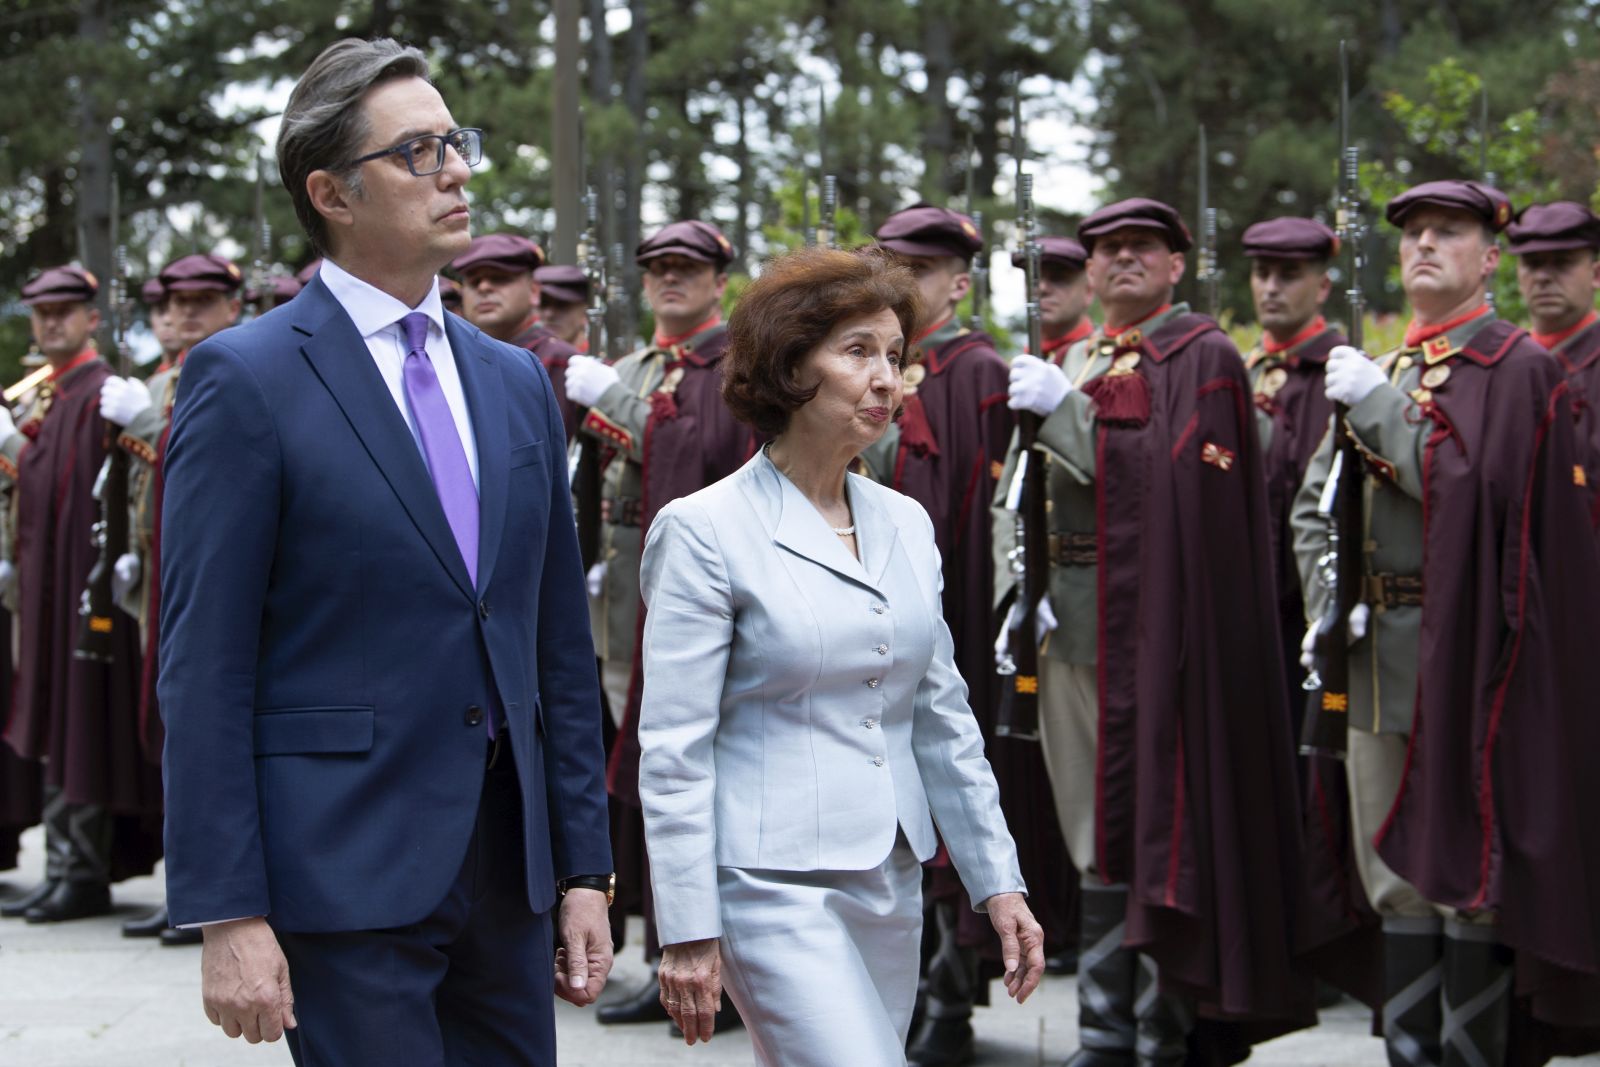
330	196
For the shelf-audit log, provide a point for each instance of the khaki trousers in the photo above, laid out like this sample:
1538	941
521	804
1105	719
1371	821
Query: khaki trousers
1069	725
1374	765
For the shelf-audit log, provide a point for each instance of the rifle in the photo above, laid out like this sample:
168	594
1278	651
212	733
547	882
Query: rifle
1029	560
97	612
1483	168
260	273
980	262
827	212
1207	273
1324	732
586	471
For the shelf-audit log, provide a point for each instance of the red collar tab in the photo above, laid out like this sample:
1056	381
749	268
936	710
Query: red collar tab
1272	346
1551	340
931	330
1083	329
527	324
86	356
1416	333
671	342
1114	332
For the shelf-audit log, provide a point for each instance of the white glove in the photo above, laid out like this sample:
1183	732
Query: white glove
595	579
8	425
1044	621
100	478
124	575
1037	385
1351	376
8	572
1355	629
123	398
587	379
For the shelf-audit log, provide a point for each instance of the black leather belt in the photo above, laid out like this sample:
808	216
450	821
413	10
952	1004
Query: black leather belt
1394	590
1074	550
622	511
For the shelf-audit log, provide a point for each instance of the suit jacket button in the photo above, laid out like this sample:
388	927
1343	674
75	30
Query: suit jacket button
882	650
872	683
483	609
877	761
474	716
877	609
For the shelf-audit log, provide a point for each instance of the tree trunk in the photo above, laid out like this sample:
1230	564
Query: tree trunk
937	123
746	193
633	169
93	190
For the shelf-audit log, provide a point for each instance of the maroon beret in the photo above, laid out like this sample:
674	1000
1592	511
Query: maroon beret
508	252
307	272
1291	238
563	284
1141	212
199	273
1484	201
61	285
153	292
1062	251
691	239
449	294
925	230
1553	227
284	288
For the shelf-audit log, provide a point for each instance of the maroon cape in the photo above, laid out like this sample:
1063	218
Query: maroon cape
1500	804
952	446
1580	358
81	717
21	784
1197	809
552	351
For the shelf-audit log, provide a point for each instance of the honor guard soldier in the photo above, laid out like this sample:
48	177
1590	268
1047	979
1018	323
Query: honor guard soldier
564	303
1558	270
450	295
166	334
102	797
1289	284
1472	741
945	452
1164	727
201	298
659	415
500	296
1064	295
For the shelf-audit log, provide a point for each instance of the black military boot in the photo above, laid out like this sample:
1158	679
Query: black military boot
1412	954
17	907
943	1037
1164	1020
147	925
641	1007
1477	996
1106	1025
71	900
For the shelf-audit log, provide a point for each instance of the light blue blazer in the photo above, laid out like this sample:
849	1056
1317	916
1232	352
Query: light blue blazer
800	704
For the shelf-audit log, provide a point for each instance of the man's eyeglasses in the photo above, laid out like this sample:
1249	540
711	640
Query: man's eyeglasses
425	155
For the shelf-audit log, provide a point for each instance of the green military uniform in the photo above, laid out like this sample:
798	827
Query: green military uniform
1068	690
141	439
618	419
1392	434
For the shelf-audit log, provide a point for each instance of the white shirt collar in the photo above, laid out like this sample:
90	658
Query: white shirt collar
372	309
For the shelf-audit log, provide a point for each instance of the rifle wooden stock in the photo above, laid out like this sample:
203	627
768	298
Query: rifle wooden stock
98	616
1018	714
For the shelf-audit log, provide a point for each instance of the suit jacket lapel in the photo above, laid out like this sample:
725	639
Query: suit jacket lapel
339	357
876	532
801	529
486	399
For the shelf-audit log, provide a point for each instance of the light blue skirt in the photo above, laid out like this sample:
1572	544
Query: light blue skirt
823	964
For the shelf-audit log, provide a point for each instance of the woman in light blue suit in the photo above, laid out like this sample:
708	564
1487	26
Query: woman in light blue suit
803	726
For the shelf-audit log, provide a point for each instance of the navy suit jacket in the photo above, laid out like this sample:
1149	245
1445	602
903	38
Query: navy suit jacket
326	664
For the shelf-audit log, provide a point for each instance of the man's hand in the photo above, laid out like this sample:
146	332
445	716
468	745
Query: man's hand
1021	943
691	986
595	580
1356	629
1044	621
587	379
1351	376
123	398
583	960
1037	385
244	981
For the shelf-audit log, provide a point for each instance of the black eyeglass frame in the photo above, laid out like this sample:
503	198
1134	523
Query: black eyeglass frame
445	140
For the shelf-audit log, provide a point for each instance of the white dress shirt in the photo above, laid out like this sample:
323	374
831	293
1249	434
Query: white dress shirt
377	317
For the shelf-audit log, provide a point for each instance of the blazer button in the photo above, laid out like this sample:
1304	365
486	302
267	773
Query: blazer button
877	761
483	609
882	650
474	716
872	683
877	609
869	723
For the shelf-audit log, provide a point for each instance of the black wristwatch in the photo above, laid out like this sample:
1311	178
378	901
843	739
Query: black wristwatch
604	883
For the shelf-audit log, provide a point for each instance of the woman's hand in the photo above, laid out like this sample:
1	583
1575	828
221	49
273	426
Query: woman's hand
691	984
1021	943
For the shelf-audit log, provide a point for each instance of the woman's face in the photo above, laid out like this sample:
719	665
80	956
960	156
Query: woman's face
856	372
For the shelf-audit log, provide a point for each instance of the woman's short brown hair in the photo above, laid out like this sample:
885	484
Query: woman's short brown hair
791	309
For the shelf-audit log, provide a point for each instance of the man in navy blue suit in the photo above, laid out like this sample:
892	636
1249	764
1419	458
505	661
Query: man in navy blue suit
383	758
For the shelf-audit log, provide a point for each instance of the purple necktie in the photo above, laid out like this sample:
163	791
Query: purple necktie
441	443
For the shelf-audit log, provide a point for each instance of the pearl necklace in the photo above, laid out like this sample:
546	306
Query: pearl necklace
842	531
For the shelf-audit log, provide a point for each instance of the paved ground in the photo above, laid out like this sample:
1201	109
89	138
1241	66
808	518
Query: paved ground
78	995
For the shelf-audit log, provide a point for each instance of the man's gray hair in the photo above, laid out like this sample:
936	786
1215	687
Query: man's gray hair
324	125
